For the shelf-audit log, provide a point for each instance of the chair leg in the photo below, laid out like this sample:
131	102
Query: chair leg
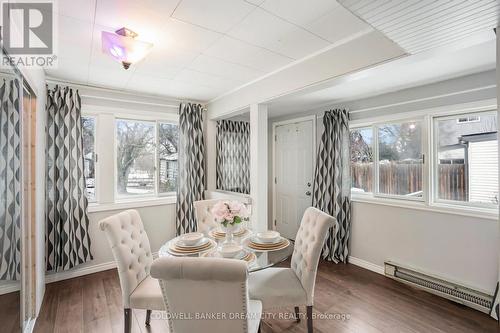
148	317
127	315
297	315
309	319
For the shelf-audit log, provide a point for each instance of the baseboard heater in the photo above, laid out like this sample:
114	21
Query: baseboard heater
464	295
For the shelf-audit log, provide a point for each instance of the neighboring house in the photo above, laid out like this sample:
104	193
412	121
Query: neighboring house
168	167
472	142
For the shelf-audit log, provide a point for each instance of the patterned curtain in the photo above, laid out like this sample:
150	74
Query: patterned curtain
191	181
233	156
67	240
331	190
10	180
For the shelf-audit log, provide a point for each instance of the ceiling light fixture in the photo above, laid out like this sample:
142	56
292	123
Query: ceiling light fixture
123	46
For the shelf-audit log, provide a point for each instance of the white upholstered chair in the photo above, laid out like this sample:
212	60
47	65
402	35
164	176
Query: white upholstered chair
204	287
282	287
130	246
204	218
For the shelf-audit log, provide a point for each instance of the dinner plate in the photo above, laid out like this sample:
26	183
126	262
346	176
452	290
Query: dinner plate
180	244
243	255
256	240
283	244
173	249
218	234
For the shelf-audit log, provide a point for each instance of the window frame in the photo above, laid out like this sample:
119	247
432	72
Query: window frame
121	198
435	161
375	148
96	157
428	186
376	168
171	193
374	185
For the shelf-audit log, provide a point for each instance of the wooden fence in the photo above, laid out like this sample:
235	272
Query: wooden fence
399	178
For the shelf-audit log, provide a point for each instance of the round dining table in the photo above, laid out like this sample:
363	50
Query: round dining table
263	259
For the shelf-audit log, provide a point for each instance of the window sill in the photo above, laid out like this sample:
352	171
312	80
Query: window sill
137	203
489	214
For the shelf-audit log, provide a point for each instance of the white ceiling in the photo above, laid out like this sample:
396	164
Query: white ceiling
202	48
414	70
421	25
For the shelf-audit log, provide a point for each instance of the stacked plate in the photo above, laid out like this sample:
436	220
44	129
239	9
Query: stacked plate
220	234
265	244
178	247
243	255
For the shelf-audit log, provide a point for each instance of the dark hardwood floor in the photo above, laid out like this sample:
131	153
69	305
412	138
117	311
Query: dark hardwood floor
356	300
10	320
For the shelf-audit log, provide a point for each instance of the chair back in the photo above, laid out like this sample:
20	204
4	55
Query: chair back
308	245
196	287
204	218
130	246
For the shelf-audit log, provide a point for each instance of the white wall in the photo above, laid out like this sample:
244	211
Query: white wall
461	248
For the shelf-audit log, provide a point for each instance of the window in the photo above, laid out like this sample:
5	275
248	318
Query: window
168	140
361	142
135	157
89	156
466	167
400	159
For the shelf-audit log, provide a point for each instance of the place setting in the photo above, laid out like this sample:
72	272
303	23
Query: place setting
220	234
190	243
266	241
231	251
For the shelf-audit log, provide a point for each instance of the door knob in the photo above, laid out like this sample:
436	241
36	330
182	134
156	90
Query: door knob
309	184
308	193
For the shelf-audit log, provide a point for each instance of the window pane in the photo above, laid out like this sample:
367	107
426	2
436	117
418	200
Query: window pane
361	159
135	163
400	159
88	136
467	158
168	140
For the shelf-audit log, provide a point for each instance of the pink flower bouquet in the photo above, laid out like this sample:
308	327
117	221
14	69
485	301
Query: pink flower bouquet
230	212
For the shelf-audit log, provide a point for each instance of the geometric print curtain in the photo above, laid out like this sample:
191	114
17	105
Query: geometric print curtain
191	159
67	224
233	156
331	190
10	180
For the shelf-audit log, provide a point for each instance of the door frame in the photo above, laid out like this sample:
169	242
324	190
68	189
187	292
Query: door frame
312	118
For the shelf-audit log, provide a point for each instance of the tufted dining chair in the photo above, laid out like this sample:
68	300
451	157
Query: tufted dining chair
130	246
294	286
211	291
204	218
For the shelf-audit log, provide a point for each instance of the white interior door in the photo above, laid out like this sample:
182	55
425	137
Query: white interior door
294	160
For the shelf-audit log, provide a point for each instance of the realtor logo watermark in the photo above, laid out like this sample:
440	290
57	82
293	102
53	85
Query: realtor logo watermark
27	33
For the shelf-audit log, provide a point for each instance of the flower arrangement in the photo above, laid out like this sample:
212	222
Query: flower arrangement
230	212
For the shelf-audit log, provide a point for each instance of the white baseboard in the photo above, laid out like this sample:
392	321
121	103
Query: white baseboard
367	265
81	271
9	288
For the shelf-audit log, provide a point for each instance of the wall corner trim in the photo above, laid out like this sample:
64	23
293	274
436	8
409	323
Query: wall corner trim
81	271
366	264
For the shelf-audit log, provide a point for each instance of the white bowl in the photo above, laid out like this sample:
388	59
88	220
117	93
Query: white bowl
268	236
191	238
230	250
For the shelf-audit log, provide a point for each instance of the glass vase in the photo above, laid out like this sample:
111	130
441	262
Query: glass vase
230	229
